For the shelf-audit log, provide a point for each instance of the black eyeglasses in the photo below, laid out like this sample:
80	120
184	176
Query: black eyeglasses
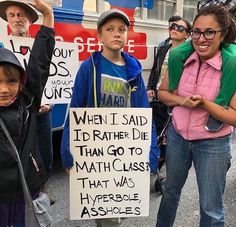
177	27
209	34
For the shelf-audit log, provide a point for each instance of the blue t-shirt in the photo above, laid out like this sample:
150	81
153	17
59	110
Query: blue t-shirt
114	85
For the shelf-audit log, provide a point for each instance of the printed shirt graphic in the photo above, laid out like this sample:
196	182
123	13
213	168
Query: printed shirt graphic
114	85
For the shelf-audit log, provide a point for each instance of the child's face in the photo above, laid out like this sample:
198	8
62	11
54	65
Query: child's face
113	34
9	87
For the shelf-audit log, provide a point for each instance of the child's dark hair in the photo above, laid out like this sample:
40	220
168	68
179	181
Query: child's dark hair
11	70
11	65
223	18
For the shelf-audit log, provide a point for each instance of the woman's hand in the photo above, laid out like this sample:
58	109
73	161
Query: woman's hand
193	101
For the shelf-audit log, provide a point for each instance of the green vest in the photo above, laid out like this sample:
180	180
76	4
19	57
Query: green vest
180	54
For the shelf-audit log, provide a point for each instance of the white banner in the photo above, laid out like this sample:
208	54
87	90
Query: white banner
63	68
110	176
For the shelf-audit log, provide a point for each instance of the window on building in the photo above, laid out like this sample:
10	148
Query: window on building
162	10
190	9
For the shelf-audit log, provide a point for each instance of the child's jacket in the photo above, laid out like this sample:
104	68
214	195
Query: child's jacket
83	96
20	119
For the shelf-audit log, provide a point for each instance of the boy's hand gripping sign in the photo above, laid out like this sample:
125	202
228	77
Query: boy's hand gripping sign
110	176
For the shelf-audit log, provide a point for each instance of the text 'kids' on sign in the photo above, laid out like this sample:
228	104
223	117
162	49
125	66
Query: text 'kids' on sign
110	177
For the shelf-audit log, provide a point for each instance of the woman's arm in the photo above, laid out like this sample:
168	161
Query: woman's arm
227	115
170	98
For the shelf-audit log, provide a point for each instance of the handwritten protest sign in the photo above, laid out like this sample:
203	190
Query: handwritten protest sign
63	68
110	176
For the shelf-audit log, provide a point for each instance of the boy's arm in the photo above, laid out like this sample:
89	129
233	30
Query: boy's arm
66	156
154	153
177	57
79	99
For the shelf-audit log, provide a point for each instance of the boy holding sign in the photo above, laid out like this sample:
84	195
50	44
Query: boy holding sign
110	78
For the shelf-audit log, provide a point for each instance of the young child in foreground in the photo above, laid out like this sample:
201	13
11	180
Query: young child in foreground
20	98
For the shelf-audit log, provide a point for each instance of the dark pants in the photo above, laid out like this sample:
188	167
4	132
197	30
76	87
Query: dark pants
211	158
14	213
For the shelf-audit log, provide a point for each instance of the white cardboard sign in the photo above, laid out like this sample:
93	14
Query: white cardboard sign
63	68
110	176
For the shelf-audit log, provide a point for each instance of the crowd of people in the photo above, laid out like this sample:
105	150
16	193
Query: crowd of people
192	76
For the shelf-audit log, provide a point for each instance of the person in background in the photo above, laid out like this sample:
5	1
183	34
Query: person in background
179	31
171	20
111	65
203	136
19	17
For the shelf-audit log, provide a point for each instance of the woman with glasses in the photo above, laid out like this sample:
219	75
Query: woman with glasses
201	129
179	31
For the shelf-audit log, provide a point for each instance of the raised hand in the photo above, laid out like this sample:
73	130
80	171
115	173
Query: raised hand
41	6
47	12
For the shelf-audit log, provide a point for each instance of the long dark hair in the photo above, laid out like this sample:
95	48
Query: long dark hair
223	18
